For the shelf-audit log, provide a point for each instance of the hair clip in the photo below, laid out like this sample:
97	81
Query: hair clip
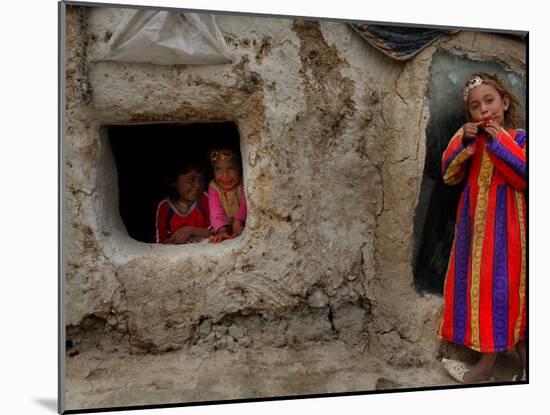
471	84
224	154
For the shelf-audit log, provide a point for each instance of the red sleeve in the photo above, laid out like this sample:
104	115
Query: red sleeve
162	215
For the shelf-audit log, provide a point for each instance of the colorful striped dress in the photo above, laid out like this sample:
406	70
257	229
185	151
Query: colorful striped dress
485	285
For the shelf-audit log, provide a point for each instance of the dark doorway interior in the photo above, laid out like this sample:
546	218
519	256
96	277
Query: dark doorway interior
145	156
435	214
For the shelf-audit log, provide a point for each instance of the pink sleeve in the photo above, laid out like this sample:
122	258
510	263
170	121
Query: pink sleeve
242	212
217	214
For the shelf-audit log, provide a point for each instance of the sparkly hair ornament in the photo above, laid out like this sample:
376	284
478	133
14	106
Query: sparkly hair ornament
472	83
223	154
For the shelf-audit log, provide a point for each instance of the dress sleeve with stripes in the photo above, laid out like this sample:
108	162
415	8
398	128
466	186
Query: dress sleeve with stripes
455	156
508	154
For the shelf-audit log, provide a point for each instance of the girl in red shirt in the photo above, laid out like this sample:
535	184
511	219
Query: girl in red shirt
184	216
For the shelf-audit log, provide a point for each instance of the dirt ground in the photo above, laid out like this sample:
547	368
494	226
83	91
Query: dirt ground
99	380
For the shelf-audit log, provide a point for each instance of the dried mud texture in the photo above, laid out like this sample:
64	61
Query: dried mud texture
333	141
196	375
100	380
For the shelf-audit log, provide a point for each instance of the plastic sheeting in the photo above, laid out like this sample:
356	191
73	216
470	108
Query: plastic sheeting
401	43
168	38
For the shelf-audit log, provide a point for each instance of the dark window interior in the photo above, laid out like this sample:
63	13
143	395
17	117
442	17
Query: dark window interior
145	156
435	214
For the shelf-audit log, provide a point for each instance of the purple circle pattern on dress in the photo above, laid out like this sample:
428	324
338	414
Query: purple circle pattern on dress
462	259
500	274
521	137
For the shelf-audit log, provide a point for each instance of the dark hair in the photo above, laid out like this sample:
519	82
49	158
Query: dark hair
513	117
186	166
179	168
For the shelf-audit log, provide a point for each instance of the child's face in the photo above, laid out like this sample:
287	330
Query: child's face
227	173
485	101
190	185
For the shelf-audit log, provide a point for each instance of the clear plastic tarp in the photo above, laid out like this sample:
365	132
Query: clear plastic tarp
168	38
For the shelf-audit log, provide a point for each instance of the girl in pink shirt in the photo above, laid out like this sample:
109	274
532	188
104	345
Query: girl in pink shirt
226	197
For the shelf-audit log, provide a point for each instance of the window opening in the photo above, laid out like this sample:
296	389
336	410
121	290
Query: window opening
146	156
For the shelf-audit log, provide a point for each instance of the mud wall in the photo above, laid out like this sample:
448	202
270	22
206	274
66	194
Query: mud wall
333	142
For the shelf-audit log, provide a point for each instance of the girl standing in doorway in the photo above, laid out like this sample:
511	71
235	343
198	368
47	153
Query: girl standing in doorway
485	284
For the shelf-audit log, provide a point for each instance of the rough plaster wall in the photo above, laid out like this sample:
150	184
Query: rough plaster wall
333	137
